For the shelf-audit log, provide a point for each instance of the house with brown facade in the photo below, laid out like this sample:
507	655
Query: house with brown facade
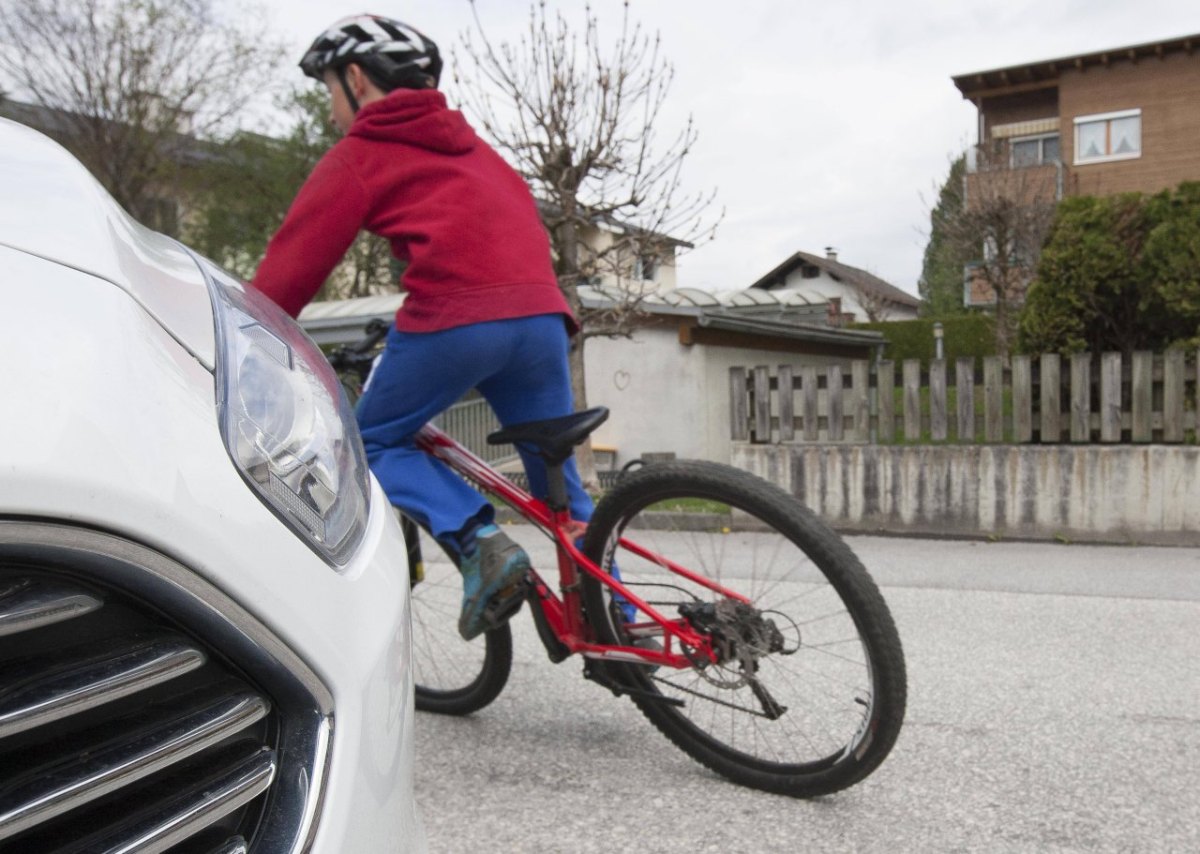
1112	121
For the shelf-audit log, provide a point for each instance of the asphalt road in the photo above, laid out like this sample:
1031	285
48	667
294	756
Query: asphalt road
1054	705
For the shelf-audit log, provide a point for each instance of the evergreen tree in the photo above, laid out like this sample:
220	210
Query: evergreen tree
1118	273
941	284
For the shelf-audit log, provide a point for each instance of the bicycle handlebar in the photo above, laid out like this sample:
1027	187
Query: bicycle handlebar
375	331
359	356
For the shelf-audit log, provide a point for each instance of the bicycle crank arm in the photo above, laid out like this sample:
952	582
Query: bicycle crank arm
537	595
598	673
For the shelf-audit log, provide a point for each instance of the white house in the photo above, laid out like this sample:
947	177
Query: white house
619	254
860	295
667	386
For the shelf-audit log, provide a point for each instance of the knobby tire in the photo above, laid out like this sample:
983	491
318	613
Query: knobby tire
838	674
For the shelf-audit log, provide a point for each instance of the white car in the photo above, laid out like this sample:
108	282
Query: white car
204	616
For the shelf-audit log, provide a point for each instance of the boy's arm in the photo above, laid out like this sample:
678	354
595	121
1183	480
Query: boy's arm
319	227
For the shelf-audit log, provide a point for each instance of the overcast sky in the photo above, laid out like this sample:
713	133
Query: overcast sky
821	124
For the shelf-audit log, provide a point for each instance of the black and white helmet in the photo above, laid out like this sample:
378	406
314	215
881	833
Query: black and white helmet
393	54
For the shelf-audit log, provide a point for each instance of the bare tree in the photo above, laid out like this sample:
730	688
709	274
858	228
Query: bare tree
129	85
876	305
1003	222
580	120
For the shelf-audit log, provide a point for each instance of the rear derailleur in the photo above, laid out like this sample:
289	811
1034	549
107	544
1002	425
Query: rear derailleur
741	637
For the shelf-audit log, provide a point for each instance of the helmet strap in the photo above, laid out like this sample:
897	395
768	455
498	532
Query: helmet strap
341	75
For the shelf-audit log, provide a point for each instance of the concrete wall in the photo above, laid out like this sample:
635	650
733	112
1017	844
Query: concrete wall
667	396
656	391
1145	494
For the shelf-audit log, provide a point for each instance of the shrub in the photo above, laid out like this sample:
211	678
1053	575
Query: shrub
1118	273
963	335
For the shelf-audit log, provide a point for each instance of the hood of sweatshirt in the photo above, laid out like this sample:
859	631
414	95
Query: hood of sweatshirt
415	117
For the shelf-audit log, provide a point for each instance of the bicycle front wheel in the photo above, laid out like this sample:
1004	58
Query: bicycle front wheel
452	676
809	691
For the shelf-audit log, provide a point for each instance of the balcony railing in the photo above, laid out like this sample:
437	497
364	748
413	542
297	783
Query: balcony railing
1036	180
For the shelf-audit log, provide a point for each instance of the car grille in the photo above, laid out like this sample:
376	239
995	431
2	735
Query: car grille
127	725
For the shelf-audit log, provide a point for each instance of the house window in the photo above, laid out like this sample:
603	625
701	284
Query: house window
1034	150
646	268
1108	136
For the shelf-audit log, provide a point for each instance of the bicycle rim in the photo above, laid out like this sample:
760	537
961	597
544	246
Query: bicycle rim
810	693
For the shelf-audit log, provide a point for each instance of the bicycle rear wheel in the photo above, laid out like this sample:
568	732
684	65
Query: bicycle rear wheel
809	694
452	676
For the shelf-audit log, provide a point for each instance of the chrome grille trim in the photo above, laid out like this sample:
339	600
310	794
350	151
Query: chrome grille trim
37	796
94	683
295	725
199	808
32	604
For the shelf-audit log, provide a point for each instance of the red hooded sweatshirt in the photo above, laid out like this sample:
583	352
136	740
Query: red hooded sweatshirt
415	173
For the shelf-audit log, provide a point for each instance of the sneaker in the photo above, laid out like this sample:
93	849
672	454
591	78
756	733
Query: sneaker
493	574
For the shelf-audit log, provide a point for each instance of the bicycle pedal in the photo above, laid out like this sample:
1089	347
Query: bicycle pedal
501	607
599	673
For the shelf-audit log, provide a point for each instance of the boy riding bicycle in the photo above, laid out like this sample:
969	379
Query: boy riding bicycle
483	308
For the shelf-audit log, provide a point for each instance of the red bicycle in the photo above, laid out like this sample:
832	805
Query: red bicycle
742	627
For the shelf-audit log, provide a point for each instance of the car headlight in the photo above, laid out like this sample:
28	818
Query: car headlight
286	421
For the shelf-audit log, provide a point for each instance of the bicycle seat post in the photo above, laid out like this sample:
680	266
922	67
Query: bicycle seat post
553	439
556	487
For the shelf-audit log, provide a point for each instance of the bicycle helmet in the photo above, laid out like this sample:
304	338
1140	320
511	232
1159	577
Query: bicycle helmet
393	55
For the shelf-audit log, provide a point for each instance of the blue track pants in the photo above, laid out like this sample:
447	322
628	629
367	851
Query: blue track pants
519	366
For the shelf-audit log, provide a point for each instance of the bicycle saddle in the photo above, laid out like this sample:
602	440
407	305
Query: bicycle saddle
553	438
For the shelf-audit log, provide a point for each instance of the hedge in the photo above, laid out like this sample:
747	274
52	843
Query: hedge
1118	273
963	335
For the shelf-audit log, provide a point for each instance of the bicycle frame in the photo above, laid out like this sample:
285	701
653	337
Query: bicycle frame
565	615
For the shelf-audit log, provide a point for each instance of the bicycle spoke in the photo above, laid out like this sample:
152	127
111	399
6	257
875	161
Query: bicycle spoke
451	675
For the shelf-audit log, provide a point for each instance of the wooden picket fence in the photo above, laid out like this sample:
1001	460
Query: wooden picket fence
1080	398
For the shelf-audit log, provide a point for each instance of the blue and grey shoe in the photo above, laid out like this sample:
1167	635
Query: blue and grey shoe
493	574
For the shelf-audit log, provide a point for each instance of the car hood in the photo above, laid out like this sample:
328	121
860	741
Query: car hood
53	208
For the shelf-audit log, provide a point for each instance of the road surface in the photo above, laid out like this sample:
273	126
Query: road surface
1054	705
